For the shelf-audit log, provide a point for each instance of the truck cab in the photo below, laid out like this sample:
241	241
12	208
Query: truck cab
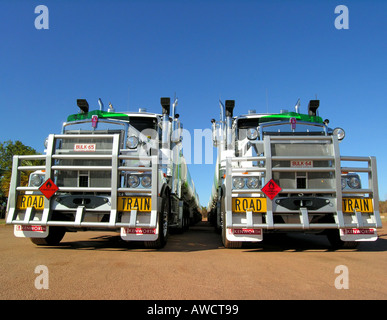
107	170
284	173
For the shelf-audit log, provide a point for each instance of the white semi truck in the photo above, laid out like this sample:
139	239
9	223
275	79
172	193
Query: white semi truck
106	171
283	173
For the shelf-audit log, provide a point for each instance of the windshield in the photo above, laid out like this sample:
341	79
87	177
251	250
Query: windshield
244	125
141	123
146	125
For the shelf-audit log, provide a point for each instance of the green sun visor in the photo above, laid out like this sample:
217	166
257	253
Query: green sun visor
100	114
289	115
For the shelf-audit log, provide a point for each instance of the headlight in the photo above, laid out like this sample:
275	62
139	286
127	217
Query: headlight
343	183
354	182
146	181
132	142
340	133
238	182
253	183
36	180
133	181
252	133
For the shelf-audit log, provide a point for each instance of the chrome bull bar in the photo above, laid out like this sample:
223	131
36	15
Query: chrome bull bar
341	219
32	216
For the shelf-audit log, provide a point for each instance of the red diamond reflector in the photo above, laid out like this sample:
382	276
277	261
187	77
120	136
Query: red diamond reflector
94	121
293	123
48	188
271	189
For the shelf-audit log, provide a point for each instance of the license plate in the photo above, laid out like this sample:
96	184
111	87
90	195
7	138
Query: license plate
29	201
301	164
142	204
85	147
249	204
360	204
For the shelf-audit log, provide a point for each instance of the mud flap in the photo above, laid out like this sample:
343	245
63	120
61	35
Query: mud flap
361	234
135	233
244	234
29	231
248	233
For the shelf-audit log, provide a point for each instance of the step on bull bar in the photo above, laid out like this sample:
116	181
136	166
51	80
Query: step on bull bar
341	219
83	215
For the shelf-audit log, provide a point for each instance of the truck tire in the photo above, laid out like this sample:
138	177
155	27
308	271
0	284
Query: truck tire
55	236
336	243
184	222
227	244
163	221
216	219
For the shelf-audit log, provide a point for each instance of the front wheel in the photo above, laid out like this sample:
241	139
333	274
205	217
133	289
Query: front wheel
337	243
55	236
163	217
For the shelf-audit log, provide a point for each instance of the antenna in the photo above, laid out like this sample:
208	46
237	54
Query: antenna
267	102
128	98
297	106
174	105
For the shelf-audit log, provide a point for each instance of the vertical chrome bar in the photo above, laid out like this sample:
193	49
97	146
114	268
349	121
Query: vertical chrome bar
28	215
339	217
49	152
165	133
304	218
154	207
13	193
249	219
229	142
373	183
228	196
268	177
79	216
359	218
133	218
114	182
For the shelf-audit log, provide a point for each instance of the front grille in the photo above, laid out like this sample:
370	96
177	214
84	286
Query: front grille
303	179
301	148
84	178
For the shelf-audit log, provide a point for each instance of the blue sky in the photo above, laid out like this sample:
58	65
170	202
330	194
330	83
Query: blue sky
263	54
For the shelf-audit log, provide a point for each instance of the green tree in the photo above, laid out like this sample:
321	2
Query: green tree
383	206
203	212
7	150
